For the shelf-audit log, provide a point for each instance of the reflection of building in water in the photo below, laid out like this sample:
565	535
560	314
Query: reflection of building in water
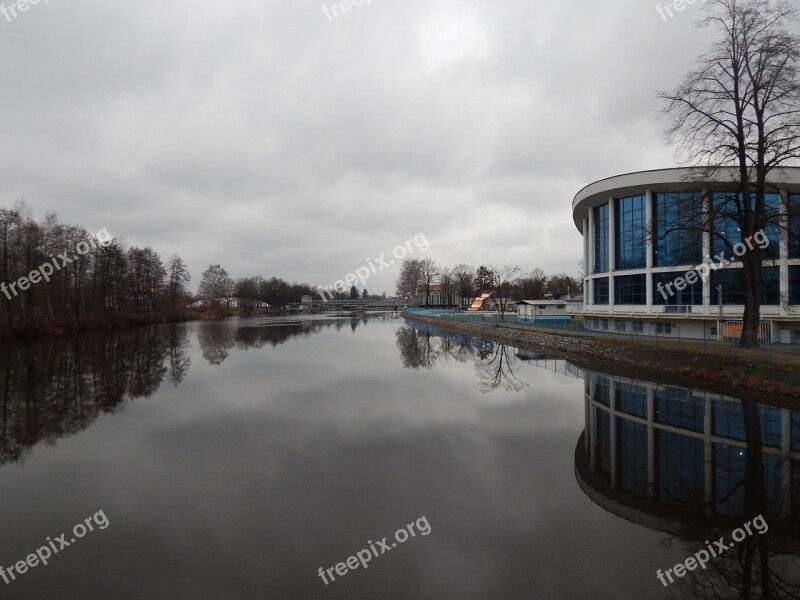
657	454
550	363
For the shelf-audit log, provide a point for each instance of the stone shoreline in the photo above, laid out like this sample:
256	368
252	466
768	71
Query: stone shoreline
687	369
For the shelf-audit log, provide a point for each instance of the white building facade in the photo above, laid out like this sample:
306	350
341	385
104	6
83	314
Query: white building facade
644	270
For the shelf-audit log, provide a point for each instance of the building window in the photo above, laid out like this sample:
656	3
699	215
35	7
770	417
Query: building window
794	285
726	224
732	281
632	456
631	399
631	235
621	325
601	239
677	226
665	290
602	390
794	226
678	407
638	327
605	324
603	441
681	469
665	328
601	291
630	289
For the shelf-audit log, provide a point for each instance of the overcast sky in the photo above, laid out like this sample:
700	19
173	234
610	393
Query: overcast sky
268	138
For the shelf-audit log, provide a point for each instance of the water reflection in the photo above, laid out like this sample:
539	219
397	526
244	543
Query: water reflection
496	364
690	464
58	387
697	465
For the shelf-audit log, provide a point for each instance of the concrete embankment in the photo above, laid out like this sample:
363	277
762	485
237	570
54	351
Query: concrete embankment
688	369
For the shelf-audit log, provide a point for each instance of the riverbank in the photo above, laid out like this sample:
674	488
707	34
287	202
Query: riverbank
82	324
689	369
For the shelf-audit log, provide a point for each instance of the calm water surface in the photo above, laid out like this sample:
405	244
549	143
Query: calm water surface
233	460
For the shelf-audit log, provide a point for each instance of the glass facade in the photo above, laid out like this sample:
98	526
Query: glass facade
732	281
794	285
632	456
677	219
794	226
681	469
726	224
631	399
630	289
601	239
729	475
601	291
622	237
631	234
678	408
603	441
665	291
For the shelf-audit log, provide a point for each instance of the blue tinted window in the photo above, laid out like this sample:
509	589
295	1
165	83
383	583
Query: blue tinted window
795	421
732	281
728	421
794	226
603	442
677	219
729	476
601	291
728	207
679	408
602	390
631	399
665	290
727	418
681	469
601	239
796	491
630	289
794	285
631	242
632	454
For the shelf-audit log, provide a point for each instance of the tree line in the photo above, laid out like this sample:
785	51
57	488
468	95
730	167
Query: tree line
54	275
461	283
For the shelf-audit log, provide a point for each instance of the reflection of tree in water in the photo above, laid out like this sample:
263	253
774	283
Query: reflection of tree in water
58	387
760	567
497	369
217	339
495	363
417	350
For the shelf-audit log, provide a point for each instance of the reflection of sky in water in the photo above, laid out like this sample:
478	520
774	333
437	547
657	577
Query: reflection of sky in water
261	466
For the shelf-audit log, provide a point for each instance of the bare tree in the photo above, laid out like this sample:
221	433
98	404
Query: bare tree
408	280
462	276
532	286
502	280
178	278
739	112
213	284
428	273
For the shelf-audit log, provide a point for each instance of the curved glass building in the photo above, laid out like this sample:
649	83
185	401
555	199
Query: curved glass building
650	269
